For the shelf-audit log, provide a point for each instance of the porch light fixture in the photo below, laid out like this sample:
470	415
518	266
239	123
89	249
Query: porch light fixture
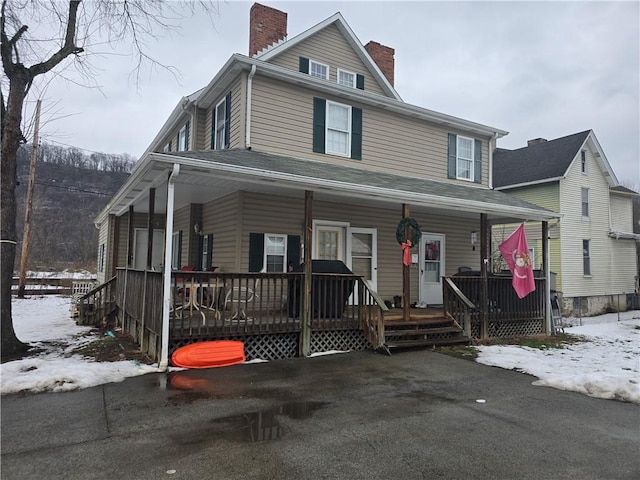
474	239
197	229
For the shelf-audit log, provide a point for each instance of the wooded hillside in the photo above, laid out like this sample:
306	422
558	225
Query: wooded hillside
71	187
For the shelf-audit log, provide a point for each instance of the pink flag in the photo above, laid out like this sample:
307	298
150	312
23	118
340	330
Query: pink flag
515	251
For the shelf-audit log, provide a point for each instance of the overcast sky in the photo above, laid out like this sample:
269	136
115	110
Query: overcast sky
540	69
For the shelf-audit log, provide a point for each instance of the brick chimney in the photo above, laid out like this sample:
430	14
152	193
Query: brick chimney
266	27
536	141
383	56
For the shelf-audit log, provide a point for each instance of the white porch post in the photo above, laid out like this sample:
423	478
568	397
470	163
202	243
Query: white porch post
168	253
547	273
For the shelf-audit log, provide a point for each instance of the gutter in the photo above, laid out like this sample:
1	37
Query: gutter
247	134
168	251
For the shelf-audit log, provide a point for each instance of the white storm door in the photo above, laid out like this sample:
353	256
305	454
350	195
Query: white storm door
363	253
432	267
140	248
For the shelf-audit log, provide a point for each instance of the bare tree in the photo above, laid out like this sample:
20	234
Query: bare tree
72	27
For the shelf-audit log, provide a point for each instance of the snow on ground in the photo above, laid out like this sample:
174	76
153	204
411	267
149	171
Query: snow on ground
606	366
45	322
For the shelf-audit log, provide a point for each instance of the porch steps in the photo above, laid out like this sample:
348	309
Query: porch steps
422	330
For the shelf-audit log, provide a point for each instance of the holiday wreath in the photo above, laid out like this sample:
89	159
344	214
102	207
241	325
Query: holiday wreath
413	231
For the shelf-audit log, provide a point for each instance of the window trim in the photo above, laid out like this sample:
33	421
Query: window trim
583	203
265	264
586	259
101	257
176	252
471	177
353	74
349	130
216	117
312	63
583	161
167	147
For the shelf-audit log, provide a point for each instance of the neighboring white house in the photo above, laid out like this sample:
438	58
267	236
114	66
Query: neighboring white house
592	247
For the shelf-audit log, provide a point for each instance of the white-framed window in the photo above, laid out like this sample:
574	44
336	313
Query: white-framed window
338	126
585	203
319	70
532	257
348	79
275	252
583	161
175	251
183	138
101	257
205	254
464	158
220	126
586	257
167	147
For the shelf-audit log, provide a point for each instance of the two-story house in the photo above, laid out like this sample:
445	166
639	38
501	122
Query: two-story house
592	246
304	149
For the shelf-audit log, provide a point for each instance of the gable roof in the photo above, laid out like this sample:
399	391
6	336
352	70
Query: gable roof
623	190
351	38
539	163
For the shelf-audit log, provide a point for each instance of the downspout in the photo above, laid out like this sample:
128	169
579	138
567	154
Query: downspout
247	134
494	142
168	253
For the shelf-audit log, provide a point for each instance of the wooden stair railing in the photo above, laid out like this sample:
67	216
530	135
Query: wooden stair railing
457	306
96	304
371	310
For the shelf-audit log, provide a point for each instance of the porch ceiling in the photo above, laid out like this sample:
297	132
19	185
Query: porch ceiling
205	176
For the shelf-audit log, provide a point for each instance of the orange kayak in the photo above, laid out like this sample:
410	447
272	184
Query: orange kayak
217	353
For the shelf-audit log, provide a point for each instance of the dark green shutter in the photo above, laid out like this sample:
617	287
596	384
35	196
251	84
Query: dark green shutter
169	145
451	165
227	120
477	162
356	133
186	143
293	251
209	255
178	141
213	128
303	65
256	252
360	81
179	265
319	117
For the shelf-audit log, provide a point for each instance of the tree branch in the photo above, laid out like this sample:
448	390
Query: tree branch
69	47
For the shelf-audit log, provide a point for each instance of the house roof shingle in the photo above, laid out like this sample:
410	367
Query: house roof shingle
537	162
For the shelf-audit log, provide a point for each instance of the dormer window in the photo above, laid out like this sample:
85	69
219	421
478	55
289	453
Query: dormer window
318	70
348	79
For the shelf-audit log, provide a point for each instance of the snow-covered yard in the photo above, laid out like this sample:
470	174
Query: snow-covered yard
605	366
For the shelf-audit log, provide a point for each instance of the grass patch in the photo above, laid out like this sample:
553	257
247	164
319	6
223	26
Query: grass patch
541	342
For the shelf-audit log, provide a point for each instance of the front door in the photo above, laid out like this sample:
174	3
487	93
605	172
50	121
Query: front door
431	268
362	256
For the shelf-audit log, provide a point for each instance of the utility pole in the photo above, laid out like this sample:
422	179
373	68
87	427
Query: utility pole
27	215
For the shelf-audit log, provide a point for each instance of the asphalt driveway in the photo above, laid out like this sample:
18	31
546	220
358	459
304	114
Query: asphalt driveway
355	416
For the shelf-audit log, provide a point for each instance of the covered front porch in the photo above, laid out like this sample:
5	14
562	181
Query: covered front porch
248	225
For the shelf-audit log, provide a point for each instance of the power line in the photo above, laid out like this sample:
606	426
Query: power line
74	189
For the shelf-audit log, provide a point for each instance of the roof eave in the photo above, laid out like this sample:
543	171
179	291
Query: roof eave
529	184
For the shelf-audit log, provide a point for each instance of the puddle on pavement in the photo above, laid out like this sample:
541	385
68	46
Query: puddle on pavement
260	426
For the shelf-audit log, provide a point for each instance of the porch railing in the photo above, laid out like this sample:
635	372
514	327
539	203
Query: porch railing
100	302
457	305
503	306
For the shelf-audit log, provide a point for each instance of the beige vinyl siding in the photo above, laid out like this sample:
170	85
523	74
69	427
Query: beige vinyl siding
173	136
621	213
329	47
545	195
282	122
574	229
622	254
284	215
199	130
238	114
221	218
181	223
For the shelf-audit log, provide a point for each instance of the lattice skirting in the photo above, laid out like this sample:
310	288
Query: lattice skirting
274	346
513	328
339	340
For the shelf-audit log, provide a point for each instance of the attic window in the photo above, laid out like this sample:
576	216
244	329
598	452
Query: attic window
318	70
583	161
348	79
